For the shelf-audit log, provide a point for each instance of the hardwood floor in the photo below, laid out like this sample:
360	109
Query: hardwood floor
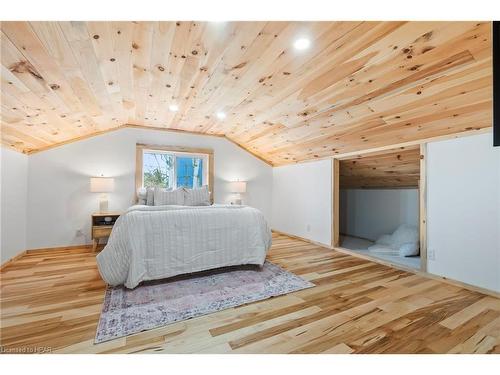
51	301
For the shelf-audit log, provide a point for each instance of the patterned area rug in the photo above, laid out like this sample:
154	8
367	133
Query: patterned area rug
155	304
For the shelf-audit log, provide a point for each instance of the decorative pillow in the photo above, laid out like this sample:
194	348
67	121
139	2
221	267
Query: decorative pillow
197	197
163	196
141	195
150	196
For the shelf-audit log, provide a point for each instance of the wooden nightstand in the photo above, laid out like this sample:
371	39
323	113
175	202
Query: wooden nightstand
102	224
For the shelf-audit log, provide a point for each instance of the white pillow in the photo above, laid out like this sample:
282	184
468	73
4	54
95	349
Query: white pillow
141	195
197	197
384	240
150	196
404	234
163	197
408	249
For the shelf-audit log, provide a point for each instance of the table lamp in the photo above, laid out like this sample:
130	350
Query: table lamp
238	187
102	185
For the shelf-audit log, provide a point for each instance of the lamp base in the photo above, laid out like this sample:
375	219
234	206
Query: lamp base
103	204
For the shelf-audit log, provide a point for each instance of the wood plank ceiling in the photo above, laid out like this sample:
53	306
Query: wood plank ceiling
360	84
389	169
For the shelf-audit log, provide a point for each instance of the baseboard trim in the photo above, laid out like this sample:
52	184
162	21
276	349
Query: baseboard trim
302	239
361	238
461	284
14	258
60	248
344	250
428	275
72	248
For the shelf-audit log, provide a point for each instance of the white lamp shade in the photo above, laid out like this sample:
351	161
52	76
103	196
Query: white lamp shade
238	186
102	184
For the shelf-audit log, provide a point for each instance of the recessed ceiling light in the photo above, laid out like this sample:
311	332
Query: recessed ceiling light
220	115
173	107
302	43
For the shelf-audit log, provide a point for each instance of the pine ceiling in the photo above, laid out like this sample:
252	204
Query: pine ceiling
398	168
359	85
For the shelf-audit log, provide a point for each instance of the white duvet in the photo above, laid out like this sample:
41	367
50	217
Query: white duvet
155	242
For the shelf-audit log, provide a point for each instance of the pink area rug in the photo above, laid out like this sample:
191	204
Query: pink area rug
156	304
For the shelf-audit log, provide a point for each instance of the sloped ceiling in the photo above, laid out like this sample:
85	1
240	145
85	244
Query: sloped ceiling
360	84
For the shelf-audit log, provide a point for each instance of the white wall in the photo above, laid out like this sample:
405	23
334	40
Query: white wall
302	200
369	213
463	210
13	185
58	184
463	203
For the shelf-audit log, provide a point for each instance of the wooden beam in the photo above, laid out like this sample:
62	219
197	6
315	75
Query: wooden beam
170	130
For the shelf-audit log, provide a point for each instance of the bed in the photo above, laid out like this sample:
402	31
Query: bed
156	242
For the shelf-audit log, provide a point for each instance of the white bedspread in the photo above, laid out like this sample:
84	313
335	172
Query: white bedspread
155	242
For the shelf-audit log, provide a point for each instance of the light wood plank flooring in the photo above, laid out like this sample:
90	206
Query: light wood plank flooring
53	300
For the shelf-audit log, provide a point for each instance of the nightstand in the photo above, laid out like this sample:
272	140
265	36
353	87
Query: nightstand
102	224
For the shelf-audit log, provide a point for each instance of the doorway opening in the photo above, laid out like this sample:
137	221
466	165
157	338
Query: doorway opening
380	205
